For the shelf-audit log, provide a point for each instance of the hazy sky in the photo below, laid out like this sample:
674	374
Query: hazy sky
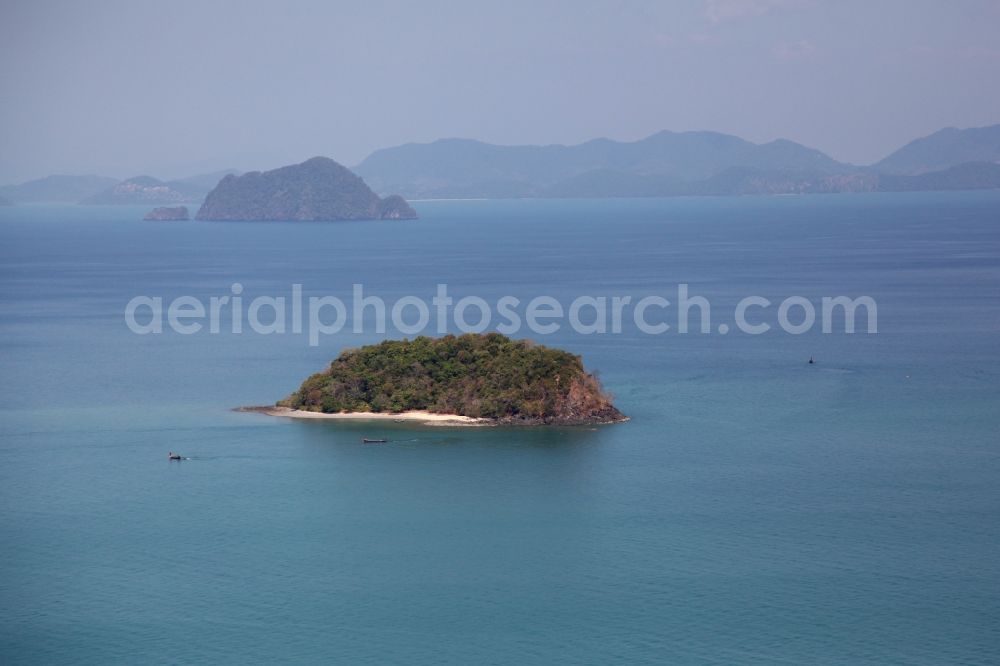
173	88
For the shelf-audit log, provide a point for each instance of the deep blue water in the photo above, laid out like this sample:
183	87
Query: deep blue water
755	510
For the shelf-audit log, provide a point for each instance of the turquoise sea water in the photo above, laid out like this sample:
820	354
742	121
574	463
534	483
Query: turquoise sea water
755	510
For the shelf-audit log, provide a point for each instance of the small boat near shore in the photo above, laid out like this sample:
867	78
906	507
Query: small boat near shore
367	440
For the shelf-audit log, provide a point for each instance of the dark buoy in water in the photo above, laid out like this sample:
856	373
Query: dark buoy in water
811	361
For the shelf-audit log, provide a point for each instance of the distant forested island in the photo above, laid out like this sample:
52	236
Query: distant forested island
100	190
149	190
317	189
481	376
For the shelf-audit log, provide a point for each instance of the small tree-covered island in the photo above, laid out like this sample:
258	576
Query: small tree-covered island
167	214
484	379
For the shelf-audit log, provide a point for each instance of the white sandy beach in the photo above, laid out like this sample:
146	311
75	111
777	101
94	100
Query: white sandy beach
416	415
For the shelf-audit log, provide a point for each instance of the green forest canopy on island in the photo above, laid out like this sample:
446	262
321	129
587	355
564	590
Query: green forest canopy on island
479	375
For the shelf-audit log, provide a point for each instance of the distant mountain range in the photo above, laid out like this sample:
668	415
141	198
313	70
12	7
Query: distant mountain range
664	164
670	164
102	190
944	149
56	189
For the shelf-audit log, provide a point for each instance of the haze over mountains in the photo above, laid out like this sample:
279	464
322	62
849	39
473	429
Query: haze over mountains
670	163
664	164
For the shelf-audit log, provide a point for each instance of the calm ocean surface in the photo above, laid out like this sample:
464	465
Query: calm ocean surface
755	510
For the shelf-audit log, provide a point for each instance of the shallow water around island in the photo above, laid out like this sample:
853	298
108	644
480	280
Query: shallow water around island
756	509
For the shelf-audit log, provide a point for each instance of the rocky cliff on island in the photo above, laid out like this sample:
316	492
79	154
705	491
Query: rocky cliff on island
317	189
166	213
486	377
